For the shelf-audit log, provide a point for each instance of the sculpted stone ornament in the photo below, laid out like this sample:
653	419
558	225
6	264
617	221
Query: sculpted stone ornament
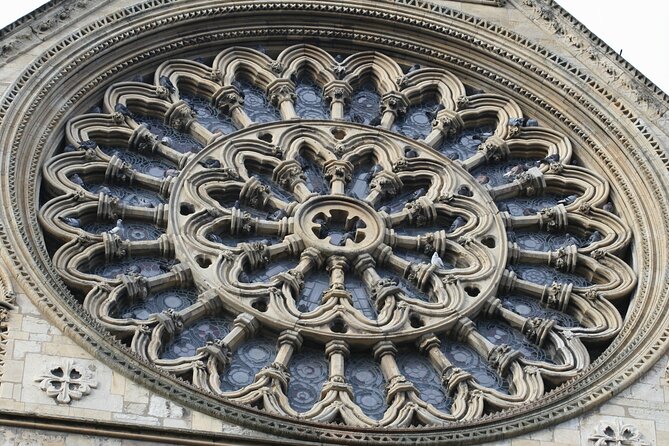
617	433
359	238
66	382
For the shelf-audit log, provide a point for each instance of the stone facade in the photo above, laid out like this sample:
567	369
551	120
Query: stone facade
64	383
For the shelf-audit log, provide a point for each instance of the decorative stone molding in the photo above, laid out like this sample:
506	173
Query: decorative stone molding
66	382
617	434
7	305
328	227
618	240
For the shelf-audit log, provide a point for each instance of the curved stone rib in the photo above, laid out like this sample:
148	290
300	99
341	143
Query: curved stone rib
374	66
488	107
187	75
102	302
405	408
466	404
268	390
84	252
435	83
237	63
599	320
336	401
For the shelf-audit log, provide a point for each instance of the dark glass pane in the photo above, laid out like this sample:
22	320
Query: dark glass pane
502	173
256	105
368	384
417	256
234	240
310	103
544	241
308	371
275	189
129	195
416	123
314	173
179	141
197	335
364	104
356	287
408	289
397	202
249	359
144	266
529	307
545	275
315	285
527	206
417	369
466	143
265	273
132	231
174	298
499	332
208	115
358	187
466	358
141	163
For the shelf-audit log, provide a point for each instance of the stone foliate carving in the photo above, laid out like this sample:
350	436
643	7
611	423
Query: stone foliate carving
66	382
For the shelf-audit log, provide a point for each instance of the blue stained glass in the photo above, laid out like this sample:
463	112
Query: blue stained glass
174	298
308	371
529	307
466	143
310	103
141	163
545	275
520	205
256	105
499	332
416	122
133	231
315	284
466	358
358	187
359	294
179	141
367	383
205	330
144	266
314	173
364	105
129	195
417	369
495	172
265	273
247	360
544	241
208	115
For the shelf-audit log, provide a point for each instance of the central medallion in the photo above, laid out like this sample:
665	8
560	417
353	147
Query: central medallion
339	225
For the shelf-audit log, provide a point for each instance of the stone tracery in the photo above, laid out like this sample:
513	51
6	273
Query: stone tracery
275	185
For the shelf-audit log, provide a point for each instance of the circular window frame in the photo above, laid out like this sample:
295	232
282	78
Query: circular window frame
641	341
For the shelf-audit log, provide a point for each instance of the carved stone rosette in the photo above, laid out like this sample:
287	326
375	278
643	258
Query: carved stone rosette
247	209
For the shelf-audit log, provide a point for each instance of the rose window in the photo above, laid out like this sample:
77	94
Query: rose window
339	239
